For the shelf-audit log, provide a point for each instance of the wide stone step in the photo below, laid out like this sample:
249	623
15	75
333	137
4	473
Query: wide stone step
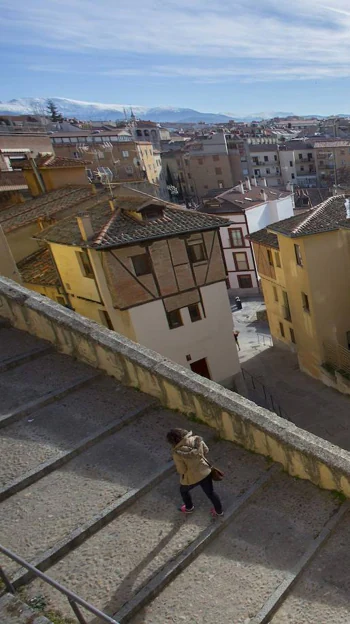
231	580
14	343
52	431
28	382
35	519
322	592
113	565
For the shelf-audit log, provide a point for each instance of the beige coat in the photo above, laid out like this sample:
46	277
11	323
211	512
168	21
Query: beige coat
189	460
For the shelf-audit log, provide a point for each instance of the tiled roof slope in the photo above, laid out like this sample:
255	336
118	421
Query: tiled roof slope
328	216
12	181
264	237
236	201
38	268
50	161
120	228
45	205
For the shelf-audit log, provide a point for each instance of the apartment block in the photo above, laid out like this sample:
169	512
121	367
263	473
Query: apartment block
246	207
298	164
264	163
304	264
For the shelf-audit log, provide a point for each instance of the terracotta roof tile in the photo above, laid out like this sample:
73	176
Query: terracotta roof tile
264	237
328	216
38	268
45	205
121	228
50	161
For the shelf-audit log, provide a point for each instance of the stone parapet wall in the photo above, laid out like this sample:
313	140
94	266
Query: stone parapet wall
234	417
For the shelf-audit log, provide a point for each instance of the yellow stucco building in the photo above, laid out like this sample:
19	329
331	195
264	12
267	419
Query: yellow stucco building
304	265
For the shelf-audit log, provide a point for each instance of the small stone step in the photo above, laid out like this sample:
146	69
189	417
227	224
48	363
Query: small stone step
152	532
33	520
14	342
49	432
32	380
231	580
14	611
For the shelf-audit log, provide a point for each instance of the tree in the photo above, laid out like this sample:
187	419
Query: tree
53	111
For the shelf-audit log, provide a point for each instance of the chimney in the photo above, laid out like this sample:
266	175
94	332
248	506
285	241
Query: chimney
263	195
93	189
111	205
264	181
347	208
249	186
241	187
85	227
254	181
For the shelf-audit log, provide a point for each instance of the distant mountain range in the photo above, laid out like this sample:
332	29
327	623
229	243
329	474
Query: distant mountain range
95	111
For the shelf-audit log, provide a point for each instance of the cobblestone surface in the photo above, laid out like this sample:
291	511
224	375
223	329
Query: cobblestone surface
55	429
132	548
232	578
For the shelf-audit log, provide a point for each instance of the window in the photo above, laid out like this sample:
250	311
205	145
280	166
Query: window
195	313
218	170
245	281
189	176
301	168
105	319
282	330
300	157
139	132
196	253
292	335
293	176
305	300
85	264
216	157
241	261
125	153
266	159
275	293
142	264
278	259
220	184
236	237
268	171
269	257
298	256
275	157
174	319
291	163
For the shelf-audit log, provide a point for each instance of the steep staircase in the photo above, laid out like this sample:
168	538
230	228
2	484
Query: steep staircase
89	495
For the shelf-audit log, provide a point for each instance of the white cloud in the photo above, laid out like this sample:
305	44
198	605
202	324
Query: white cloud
242	39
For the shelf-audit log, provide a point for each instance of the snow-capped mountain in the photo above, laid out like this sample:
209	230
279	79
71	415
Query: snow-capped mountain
103	112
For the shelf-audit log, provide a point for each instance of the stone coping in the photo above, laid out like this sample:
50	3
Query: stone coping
234	417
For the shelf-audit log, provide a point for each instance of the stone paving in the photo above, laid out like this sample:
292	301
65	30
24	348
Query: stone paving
304	400
224	570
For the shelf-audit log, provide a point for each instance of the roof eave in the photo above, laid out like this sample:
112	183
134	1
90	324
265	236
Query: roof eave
155	237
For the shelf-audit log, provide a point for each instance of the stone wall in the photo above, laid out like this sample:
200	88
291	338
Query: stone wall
235	418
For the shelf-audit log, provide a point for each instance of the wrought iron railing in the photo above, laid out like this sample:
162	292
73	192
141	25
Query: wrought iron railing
73	599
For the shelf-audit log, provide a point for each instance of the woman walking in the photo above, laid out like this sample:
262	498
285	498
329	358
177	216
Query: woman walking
189	456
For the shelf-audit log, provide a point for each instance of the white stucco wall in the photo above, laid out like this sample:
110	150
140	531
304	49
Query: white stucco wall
209	338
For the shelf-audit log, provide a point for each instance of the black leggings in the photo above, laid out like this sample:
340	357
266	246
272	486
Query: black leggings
207	487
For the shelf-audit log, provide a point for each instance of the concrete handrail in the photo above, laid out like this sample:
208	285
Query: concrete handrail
235	417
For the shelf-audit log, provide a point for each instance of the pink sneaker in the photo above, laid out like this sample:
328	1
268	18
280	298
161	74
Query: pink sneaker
215	514
184	509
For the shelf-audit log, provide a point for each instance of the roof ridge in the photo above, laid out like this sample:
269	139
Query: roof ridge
315	212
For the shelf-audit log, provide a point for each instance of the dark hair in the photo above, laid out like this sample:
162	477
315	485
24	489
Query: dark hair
175	436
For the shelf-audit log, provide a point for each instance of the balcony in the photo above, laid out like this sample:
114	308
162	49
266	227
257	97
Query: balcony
304	160
301	174
264	163
286	313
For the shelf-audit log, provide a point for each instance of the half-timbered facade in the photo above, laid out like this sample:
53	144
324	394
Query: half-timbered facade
155	273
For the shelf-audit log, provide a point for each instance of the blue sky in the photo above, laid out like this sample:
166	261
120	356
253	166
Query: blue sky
242	56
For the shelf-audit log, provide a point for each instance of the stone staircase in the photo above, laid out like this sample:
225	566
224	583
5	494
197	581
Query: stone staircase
89	496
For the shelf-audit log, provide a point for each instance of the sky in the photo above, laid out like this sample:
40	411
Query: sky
236	56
